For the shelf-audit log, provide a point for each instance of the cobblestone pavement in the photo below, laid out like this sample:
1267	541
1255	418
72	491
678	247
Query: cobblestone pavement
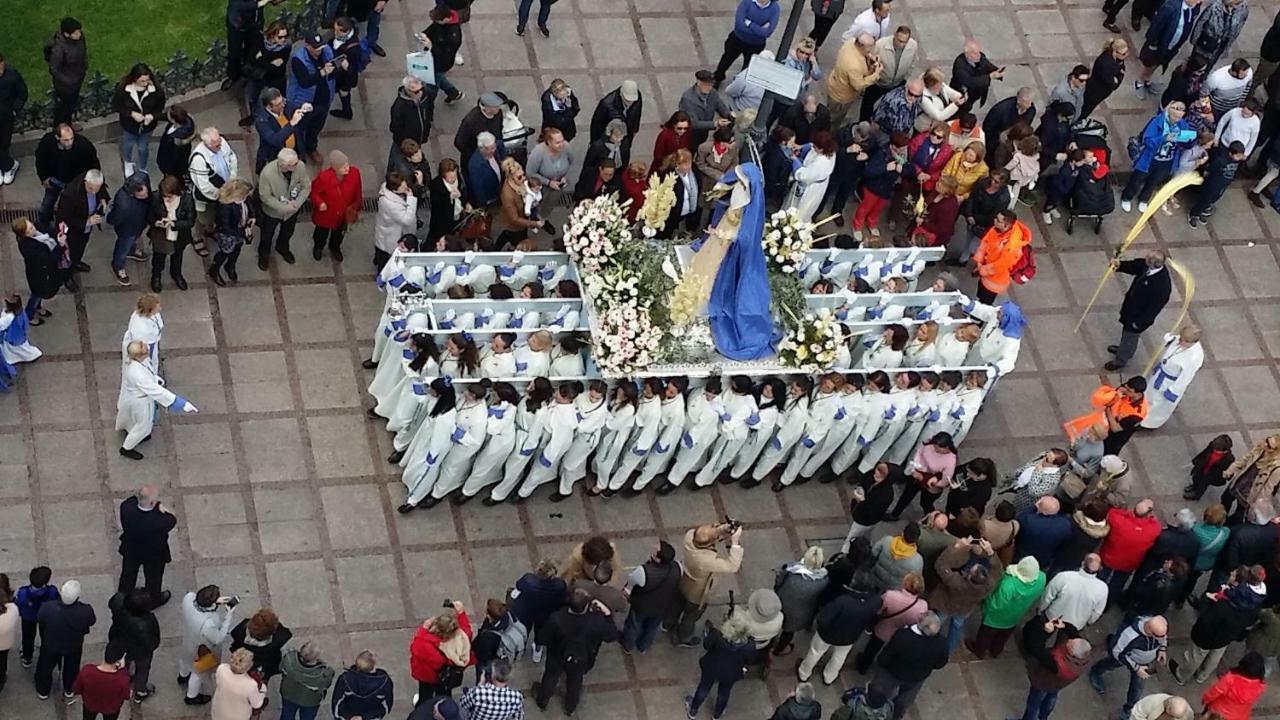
280	486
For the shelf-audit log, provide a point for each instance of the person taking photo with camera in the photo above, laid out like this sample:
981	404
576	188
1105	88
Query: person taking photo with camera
702	561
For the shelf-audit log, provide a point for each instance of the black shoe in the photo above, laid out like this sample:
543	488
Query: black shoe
72	284
748	483
342	114
395	457
231	275
520	30
461	499
1113	349
451	99
336	253
1256	199
1112	366
369	364
226	84
726	479
131	454
548	228
155	283
165	596
1112	26
559	497
317	253
377	50
778	486
666	489
216	277
545	32
533	690
287	256
406	508
81	267
372	414
182	680
489	501
179	282
429	502
608	492
262	264
827	478
146	439
198	700
246	121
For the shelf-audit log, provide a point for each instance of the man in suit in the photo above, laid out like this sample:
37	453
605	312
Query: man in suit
1146	297
145	525
82	206
276	123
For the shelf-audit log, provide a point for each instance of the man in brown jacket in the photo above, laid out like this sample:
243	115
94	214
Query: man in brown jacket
967	572
857	68
701	563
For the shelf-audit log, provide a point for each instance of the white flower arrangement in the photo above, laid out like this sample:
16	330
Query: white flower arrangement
613	286
595	230
659	198
813	344
626	340
786	240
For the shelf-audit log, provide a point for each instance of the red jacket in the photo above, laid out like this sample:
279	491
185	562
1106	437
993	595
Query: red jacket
425	658
1233	696
916	164
1130	538
666	144
341	198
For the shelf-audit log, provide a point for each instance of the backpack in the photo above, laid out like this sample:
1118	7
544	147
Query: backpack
1025	269
853	706
511	639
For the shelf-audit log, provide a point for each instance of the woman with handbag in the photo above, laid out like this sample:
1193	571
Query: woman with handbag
171	219
441	652
901	607
452	218
46	260
335	204
931	472
513	222
206	622
233	227
1254	477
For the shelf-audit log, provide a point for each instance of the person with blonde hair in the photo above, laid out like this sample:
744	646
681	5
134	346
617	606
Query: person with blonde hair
234	219
238	695
147	325
43	258
967	167
140	390
728	651
441	651
1106	76
798	585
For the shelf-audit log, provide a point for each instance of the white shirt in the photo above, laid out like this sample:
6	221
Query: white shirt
866	22
1235	126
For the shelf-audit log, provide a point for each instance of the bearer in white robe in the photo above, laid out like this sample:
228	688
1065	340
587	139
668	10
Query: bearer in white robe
390	373
145	324
941	402
517	273
406	286
648	423
1001	335
565	319
534	358
967	404
15	345
922	349
670	428
498	358
500	440
431	446
927	395
739	414
885	349
467	437
140	391
772	396
849	409
701	423
902	397
1179	361
790	429
531	419
461	357
617	433
562	421
822	411
566	358
419	366
954	344
592	409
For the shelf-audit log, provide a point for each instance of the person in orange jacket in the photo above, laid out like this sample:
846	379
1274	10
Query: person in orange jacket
1000	251
1233	696
335	204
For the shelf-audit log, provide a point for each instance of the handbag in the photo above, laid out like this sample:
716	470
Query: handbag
1135	147
450	676
475	225
205	661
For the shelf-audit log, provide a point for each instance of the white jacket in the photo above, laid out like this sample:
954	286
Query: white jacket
397	216
203	627
1075	596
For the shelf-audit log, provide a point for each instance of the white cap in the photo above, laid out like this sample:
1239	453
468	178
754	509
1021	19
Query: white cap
70	592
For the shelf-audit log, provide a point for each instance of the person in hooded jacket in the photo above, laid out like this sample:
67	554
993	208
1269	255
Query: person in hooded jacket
840	624
305	680
412	113
801	704
1056	657
363	691
535	596
798	585
728	651
134	625
441	646
1019	588
1233	696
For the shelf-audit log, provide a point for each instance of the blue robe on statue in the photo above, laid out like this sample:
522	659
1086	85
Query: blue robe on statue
739	308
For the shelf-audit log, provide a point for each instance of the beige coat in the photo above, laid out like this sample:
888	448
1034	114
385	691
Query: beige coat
895	69
701	565
575	568
236	696
711	170
1266	483
851	75
9	622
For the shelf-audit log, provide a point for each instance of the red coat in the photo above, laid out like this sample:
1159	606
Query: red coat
425	658
634	189
915	158
341	198
1130	538
1233	696
666	144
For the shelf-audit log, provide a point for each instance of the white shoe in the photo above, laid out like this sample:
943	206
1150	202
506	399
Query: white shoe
857	235
458	60
12	174
1048	218
536	655
128	170
1126	205
875	232
1142	207
1056	213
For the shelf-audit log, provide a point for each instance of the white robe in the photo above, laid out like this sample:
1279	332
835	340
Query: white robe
471	419
790	428
565	364
849	409
14	354
565	319
557	436
670	428
427	453
591	418
617	431
757	439
740	415
147	330
810	183
497	365
1170	378
413	391
648	424
919	354
500	439
822	409
964	412
951	350
530	425
917	417
939	419
993	347
878	354
140	391
893	419
450	367
700	426
530	363
387	379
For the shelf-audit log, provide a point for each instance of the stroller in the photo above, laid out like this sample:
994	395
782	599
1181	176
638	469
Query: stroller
1091	197
515	134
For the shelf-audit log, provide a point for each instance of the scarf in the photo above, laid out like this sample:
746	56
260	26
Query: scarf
46	240
899	548
171	212
615	154
218	163
273	46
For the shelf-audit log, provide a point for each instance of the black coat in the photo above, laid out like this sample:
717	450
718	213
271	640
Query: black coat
13	93
973	79
411	119
1206	475
73	205
1150	594
777	173
472	125
173	157
185	220
140	634
725	661
446	41
442	221
611	108
843	620
64	165
259	64
804	126
1091	195
975	494
792	709
596	154
577	637
152	104
982	206
41	266
1170	543
145	533
63	627
1218	174
563	120
1002	116
1106	77
367	695
266	657
1249	544
1146	297
1221	623
879	497
229	221
911	658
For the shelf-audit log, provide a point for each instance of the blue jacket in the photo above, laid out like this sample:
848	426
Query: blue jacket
304	76
1160	34
29	599
271	135
483	185
875	177
537	599
754	24
1041	535
1156	147
128	214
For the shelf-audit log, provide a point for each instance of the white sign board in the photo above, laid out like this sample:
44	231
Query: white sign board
775	77
422	66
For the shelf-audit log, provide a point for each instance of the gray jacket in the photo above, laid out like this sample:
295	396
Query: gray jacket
275	192
798	588
703	109
1063	92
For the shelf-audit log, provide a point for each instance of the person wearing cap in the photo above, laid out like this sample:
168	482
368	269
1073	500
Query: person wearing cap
625	104
486	116
312	82
762	617
63	627
283	185
128	217
1018	590
743	94
1146	296
335	204
753	23
704	106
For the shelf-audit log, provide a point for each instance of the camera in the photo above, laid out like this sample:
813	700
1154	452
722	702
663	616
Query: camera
733	524
448	604
230	601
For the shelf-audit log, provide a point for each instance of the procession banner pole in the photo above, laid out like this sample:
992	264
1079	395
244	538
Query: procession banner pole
1170	189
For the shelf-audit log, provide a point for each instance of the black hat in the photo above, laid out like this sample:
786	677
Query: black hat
704	76
314	40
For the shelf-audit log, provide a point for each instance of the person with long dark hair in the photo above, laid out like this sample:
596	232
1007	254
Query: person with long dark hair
618	428
500	436
676	134
530	416
43	257
169	224
139	102
431	444
931	473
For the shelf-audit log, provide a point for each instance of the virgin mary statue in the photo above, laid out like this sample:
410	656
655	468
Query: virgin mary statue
738	309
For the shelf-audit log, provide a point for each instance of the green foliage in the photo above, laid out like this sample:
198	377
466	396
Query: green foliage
789	303
644	258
